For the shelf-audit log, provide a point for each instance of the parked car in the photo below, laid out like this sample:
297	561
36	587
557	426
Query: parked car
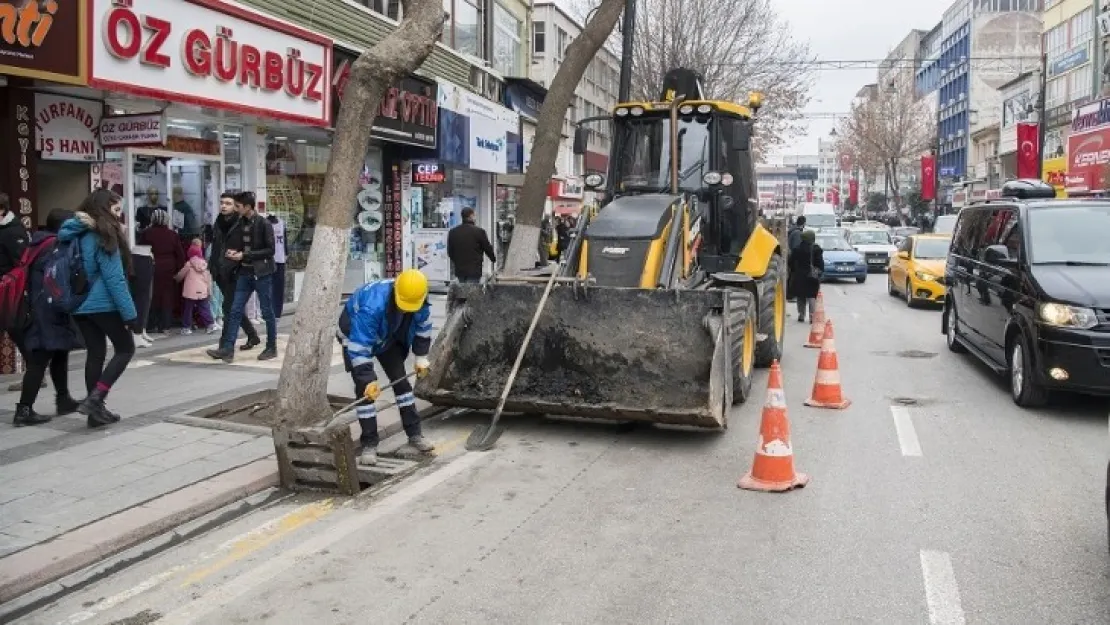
1028	280
841	261
899	233
875	245
917	267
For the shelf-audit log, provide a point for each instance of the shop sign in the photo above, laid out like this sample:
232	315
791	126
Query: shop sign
425	172
1089	155
20	165
44	40
409	112
1055	174
128	131
1070	61
193	145
67	129
208	53
1090	116
476	134
527	102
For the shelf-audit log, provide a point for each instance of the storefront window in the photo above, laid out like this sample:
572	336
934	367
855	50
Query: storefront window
507	199
233	157
468	39
442	203
295	170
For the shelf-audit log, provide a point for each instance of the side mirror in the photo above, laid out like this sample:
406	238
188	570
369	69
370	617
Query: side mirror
581	139
594	181
904	255
997	255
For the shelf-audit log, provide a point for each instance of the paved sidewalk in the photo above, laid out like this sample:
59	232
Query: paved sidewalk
70	496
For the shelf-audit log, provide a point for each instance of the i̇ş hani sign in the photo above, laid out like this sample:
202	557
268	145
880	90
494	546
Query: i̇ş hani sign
208	53
67	129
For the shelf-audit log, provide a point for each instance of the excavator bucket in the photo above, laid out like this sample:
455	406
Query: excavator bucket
597	352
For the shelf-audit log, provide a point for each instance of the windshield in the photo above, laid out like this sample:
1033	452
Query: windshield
870	237
645	159
833	243
945	224
817	221
1072	234
931	249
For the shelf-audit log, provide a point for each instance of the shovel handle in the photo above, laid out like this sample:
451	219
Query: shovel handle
357	402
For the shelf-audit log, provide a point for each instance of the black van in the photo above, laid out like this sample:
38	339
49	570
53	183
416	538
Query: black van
1028	280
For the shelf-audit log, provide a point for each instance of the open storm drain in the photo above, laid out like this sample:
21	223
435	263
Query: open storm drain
905	401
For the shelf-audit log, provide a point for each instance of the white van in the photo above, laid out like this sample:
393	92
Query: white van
819	215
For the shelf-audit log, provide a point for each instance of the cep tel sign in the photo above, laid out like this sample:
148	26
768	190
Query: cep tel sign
428	173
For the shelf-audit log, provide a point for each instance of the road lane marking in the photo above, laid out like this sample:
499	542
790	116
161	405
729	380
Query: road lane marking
907	435
942	594
230	590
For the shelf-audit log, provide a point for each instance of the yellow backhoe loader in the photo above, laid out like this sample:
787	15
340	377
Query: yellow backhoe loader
670	294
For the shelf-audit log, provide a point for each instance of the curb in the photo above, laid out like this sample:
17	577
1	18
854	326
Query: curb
41	564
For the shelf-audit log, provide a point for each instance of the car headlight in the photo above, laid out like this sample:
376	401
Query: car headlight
1065	316
924	276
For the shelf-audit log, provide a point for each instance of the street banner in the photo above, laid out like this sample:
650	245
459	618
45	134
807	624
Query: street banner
1029	151
853	192
928	177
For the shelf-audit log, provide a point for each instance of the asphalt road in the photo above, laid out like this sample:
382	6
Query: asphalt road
954	507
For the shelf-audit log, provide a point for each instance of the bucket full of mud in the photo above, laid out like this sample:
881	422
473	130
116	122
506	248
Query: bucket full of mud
609	353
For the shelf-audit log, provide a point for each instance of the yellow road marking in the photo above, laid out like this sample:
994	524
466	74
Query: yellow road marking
445	447
241	549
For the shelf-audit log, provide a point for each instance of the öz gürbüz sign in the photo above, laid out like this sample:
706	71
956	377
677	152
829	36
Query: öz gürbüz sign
409	112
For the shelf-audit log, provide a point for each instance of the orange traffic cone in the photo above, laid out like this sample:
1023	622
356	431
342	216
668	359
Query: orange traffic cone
826	387
773	469
817	324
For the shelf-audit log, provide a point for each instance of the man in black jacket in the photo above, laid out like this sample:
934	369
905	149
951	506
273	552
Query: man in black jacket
13	236
251	246
465	245
225	272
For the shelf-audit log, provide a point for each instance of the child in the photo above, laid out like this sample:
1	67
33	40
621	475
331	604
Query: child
197	286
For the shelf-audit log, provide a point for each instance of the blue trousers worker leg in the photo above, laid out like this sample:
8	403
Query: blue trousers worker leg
393	363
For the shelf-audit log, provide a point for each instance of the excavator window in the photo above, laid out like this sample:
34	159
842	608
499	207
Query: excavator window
645	159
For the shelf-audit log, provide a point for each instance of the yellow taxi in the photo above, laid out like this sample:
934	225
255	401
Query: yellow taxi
915	267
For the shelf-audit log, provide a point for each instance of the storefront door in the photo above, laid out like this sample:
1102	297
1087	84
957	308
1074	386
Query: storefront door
185	185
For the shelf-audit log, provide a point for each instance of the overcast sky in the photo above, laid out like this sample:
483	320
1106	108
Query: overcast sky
849	30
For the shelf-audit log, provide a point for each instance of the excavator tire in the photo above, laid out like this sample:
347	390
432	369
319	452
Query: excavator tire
772	313
742	329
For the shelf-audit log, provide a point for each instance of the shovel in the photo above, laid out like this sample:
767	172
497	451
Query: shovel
356	403
484	437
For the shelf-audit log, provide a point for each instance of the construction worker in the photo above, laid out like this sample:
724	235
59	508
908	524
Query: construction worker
383	320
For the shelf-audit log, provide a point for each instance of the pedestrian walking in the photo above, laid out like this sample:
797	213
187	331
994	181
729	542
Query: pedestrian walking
165	245
252	248
195	290
466	243
384	320
280	256
225	272
806	266
562	237
108	312
46	342
13	236
793	240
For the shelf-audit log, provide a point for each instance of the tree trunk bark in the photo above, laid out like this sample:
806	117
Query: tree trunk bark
545	148
302	388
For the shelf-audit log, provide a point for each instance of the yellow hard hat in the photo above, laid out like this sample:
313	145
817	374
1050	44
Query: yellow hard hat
410	289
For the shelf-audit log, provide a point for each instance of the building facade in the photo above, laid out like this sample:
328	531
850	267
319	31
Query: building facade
553	30
1071	78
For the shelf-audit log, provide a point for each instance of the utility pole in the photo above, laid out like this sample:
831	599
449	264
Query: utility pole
1042	121
628	30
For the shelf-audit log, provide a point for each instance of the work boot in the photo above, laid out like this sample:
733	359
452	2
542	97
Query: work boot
268	354
252	342
369	456
25	415
93	408
225	355
421	444
65	404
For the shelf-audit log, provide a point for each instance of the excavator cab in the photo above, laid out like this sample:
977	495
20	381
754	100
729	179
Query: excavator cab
669	296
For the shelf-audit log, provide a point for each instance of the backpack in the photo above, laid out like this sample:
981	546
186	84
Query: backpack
15	287
64	279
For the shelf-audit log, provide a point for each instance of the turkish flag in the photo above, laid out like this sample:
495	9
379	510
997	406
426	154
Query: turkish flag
1029	150
853	192
836	196
809	195
928	177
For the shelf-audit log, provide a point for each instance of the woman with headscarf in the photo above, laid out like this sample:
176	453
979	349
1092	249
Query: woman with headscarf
169	258
807	263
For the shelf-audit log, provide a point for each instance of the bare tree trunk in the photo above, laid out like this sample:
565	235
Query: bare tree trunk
545	148
302	388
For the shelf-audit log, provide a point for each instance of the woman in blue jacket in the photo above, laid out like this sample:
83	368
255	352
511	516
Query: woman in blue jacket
108	312
49	339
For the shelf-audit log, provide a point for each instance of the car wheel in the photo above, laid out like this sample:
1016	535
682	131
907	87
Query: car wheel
893	292
909	294
861	279
951	334
1024	389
